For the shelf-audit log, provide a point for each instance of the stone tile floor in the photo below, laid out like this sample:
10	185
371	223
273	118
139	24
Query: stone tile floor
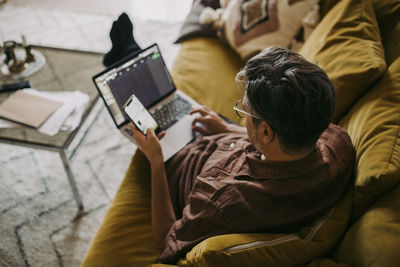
37	211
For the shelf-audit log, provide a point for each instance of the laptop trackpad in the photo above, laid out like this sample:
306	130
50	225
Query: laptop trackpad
177	136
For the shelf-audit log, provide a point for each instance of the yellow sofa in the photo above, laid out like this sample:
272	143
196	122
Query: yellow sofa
357	43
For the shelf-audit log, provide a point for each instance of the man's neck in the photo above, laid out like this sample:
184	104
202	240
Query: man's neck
278	155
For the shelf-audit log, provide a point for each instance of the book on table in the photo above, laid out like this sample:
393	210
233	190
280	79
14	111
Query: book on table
28	109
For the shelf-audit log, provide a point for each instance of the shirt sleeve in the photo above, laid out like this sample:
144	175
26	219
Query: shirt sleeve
201	219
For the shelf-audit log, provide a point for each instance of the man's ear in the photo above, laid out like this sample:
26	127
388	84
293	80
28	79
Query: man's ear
265	133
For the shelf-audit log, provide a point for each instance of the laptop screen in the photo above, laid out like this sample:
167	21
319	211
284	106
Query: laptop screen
144	74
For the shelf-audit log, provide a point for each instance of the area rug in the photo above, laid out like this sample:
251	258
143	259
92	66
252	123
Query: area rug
38	222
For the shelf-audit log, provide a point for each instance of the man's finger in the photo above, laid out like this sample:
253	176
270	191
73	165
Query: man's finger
202	110
200	120
135	131
150	133
200	129
161	135
140	138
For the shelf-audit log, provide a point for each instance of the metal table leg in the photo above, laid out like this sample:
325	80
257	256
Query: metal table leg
72	181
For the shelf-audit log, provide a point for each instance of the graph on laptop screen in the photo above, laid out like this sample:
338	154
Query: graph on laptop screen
145	75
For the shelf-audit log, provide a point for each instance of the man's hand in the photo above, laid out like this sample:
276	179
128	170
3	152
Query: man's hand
149	144
212	123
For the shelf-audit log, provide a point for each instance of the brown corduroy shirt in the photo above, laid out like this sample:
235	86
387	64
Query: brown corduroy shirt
220	185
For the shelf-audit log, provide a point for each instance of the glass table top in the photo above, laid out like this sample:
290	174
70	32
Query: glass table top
65	70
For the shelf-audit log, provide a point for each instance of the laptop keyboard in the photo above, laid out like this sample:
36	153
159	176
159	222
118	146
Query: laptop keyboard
171	112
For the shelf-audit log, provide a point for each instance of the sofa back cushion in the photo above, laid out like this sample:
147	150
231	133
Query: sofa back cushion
374	128
205	70
391	43
347	45
387	12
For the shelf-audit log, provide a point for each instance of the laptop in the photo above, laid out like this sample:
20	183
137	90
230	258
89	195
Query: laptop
145	75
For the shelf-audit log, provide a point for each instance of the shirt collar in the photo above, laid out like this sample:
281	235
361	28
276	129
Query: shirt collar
264	169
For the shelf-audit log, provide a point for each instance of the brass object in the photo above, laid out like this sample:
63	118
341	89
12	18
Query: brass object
14	64
29	56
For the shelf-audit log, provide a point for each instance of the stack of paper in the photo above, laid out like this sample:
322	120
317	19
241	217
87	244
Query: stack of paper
66	117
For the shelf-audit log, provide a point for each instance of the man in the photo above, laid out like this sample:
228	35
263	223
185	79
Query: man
286	167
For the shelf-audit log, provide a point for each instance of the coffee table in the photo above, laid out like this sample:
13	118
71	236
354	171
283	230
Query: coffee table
65	70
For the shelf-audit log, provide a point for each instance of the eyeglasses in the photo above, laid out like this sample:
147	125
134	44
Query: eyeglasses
238	107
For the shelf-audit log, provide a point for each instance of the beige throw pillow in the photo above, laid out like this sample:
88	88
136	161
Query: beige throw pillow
250	26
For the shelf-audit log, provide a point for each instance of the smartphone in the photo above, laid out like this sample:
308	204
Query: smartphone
139	115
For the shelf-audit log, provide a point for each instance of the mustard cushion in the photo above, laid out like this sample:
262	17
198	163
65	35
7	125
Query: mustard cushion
347	45
325	262
159	265
205	69
374	125
125	235
261	249
374	240
391	43
325	6
387	12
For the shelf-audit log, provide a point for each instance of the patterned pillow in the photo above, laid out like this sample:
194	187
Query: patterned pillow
249	26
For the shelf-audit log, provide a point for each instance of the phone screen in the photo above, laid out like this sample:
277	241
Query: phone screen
139	115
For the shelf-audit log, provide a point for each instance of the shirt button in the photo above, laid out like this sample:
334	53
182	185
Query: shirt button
231	145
